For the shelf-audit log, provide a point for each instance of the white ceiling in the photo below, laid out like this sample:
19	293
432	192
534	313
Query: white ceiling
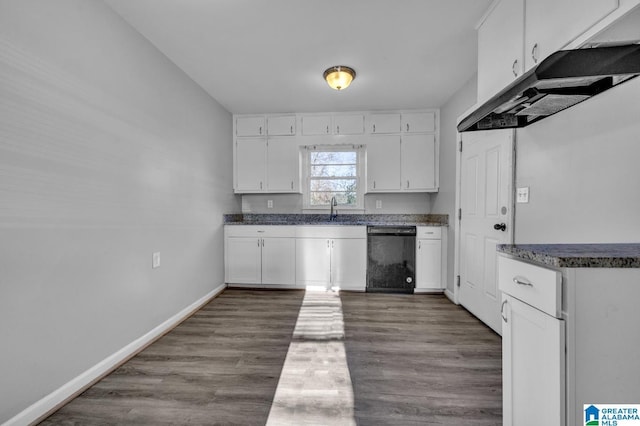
265	56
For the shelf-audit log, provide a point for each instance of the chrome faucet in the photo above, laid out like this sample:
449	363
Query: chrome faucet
334	213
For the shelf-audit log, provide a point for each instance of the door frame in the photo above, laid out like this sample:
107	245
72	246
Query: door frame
456	219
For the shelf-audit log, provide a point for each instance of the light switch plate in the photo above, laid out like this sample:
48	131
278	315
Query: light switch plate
156	260
378	204
522	195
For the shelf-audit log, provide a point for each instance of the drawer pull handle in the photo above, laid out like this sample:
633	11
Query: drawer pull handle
504	302
519	281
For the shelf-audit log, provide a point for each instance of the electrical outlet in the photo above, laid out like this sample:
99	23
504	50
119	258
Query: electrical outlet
522	195
156	260
378	204
269	204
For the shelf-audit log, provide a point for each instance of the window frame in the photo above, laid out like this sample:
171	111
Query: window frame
360	176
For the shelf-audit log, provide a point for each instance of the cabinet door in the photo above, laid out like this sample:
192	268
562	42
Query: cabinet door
283	165
419	122
250	126
500	47
279	261
281	125
533	357
551	24
250	164
242	260
383	163
348	124
418	162
428	264
384	123
316	125
349	263
312	262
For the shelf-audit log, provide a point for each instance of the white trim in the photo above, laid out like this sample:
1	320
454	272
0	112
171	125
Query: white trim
37	411
450	296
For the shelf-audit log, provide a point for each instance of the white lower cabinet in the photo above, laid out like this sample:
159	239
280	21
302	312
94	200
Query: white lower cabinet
262	255
331	256
532	365
569	339
430	259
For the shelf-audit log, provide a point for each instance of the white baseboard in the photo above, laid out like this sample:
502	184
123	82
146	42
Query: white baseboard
450	296
37	411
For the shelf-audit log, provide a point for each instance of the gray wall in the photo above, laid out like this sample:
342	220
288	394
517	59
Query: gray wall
444	201
108	153
582	169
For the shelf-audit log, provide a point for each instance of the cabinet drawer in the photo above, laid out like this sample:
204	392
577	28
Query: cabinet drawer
272	231
328	232
537	286
429	232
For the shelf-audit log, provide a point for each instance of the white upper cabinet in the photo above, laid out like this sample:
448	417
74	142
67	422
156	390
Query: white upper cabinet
384	123
551	24
518	34
418	163
313	125
281	125
401	148
250	126
419	122
283	165
352	124
500	57
250	164
383	163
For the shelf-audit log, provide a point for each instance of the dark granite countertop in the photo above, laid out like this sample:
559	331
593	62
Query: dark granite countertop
343	219
577	255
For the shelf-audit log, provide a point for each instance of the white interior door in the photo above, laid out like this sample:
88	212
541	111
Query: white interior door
486	201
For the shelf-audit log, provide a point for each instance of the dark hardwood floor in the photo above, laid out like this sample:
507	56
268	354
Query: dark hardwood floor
254	357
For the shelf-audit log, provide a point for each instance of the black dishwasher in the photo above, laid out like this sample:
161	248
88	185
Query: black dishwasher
391	259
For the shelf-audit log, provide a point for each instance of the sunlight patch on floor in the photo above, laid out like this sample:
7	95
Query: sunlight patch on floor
315	386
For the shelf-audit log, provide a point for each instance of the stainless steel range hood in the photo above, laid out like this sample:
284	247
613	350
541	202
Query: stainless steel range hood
562	80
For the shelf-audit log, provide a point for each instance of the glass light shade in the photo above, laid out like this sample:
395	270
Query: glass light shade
339	77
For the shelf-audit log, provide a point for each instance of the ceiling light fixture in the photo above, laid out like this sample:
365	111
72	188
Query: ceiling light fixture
339	77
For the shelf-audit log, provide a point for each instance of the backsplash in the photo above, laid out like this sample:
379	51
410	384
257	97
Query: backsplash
410	203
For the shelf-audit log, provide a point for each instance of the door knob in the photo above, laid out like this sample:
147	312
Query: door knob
500	227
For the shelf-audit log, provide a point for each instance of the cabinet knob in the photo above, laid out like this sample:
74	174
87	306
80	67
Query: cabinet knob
374	128
338	129
374	184
291	184
407	127
407	184
260	130
291	131
534	53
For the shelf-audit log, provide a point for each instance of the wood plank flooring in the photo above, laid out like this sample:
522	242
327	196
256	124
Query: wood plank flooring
353	358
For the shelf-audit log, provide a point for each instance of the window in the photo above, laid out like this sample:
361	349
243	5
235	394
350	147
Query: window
333	171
